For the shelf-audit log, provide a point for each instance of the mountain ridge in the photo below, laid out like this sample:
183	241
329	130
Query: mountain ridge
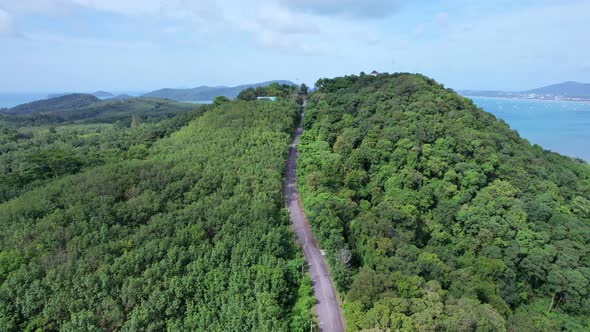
569	90
74	100
566	89
208	93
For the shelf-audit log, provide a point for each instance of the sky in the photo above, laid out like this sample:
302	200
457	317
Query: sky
142	45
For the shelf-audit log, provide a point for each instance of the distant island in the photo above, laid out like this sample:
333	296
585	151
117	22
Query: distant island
207	92
572	91
90	109
97	94
59	103
121	97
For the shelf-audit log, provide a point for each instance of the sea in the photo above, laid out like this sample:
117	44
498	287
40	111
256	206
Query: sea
8	100
558	126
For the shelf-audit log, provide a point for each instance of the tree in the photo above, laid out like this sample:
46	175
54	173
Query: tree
303	89
248	94
219	100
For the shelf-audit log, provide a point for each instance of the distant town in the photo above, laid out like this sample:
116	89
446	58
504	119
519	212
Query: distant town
567	91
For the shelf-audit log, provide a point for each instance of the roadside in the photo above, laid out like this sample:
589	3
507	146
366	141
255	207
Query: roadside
327	307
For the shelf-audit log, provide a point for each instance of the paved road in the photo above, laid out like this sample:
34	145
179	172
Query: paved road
327	308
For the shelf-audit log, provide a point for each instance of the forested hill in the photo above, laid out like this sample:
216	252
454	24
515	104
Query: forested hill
437	216
187	233
97	111
59	103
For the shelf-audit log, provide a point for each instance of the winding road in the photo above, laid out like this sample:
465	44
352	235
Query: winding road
327	307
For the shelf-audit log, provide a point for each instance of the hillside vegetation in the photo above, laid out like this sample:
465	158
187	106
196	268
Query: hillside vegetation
437	216
187	233
33	156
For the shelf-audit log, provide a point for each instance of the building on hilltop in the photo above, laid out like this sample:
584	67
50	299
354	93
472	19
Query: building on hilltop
374	73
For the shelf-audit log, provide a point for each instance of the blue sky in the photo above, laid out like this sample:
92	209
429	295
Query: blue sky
141	45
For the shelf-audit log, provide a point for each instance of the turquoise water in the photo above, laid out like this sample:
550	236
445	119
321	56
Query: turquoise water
559	126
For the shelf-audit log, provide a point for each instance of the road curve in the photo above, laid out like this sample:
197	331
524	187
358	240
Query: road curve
327	307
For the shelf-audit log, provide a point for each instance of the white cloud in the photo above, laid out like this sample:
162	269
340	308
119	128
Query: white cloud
510	48
196	11
6	24
48	7
88	43
179	9
287	46
284	21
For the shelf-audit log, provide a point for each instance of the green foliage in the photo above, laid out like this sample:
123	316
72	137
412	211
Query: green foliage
454	222
31	160
248	94
303	89
217	101
192	236
272	90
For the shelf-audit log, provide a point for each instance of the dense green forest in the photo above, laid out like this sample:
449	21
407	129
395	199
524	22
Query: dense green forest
172	225
33	156
437	216
272	90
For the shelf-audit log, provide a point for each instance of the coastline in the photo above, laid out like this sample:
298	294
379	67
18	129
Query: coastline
577	100
559	126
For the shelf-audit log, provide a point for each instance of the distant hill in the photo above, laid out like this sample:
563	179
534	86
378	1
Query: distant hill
98	94
565	89
121	97
206	92
76	100
103	94
110	110
123	108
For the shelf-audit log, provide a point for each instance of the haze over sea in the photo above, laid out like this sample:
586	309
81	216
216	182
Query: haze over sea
559	126
9	100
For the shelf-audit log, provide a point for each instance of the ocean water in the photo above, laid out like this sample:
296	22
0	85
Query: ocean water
559	126
207	102
8	100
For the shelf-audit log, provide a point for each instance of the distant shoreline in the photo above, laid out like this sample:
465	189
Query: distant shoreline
578	100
